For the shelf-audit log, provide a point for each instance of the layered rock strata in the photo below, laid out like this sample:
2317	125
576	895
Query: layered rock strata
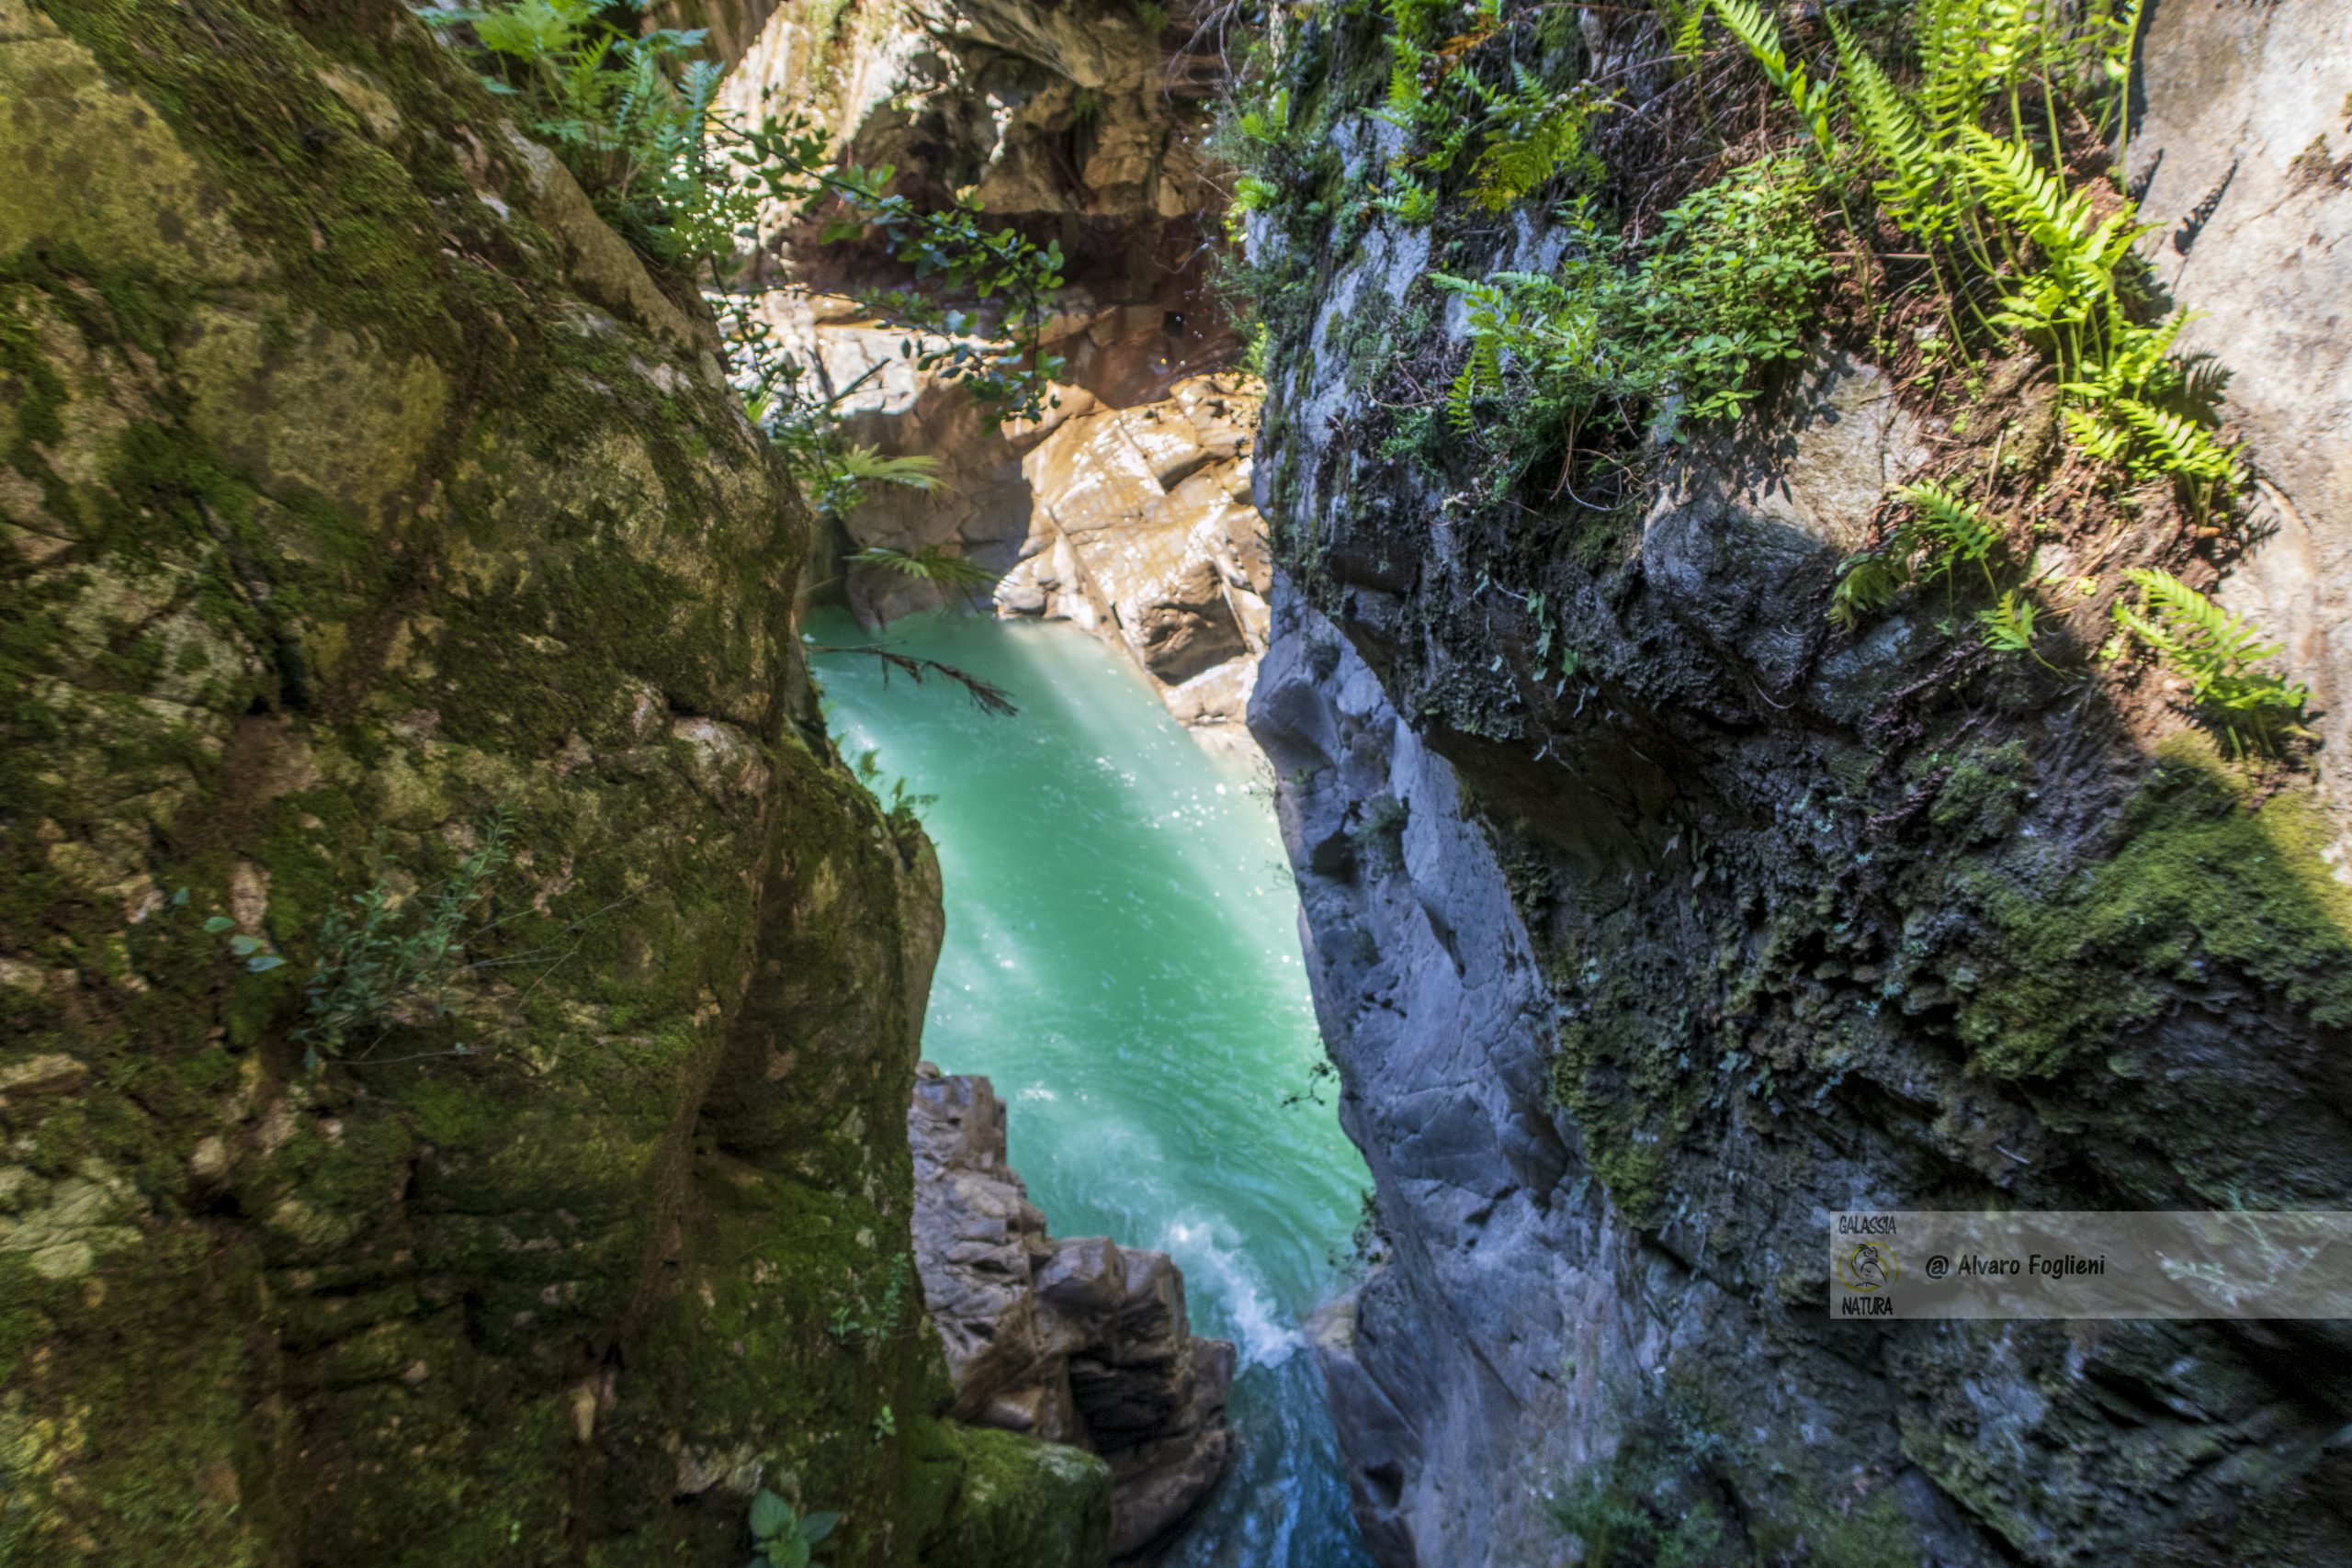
1076	1342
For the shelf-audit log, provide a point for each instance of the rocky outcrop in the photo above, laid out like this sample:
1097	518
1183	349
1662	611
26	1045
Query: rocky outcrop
1132	519
1142	531
1084	124
1649	920
1077	1341
2246	151
379	526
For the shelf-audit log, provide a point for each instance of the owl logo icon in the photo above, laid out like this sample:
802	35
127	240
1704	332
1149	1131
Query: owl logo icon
1867	1267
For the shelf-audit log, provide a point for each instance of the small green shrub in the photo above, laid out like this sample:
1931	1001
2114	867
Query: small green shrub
387	959
781	1537
1529	133
903	809
1586	355
629	114
633	118
856	1322
1382	833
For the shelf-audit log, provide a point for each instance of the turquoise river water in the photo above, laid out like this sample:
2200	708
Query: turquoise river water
1122	961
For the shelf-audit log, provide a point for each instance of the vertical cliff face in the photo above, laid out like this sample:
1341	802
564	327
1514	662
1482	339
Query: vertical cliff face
1651	918
377	525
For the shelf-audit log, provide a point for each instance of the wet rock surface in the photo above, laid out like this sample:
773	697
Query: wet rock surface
1079	1341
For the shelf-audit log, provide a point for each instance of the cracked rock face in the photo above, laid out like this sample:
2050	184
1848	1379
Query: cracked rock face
1078	1341
1649	920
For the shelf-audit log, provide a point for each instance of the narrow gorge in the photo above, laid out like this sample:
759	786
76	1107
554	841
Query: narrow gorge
1065	782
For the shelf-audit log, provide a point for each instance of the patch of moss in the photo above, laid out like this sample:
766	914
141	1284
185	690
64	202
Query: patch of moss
1633	1096
2201	878
988	1499
1978	799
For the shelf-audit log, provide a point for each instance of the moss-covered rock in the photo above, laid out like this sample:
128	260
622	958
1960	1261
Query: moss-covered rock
361	488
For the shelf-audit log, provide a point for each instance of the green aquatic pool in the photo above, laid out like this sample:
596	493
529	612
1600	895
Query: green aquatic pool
1122	960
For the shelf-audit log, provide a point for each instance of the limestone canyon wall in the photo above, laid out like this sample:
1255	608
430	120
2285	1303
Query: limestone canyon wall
1650	919
1124	508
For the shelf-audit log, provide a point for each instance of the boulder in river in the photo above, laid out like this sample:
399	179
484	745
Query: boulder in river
1080	1341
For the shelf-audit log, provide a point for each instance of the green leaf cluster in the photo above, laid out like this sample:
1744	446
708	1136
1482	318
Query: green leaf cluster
388	959
996	355
784	1538
1528	133
932	563
1940	531
630	113
1960	167
1596	350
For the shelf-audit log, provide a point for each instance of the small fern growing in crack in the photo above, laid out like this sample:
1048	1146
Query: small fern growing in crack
2219	653
1944	530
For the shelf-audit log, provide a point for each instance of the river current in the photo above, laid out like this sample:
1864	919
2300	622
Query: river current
1122	960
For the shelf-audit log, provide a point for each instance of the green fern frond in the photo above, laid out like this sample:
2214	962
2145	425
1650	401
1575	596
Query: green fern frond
2180	446
1760	35
2191	620
2096	435
915	472
2217	651
1867	583
1460	396
1409	202
1914	191
2007	626
930	564
1757	32
1956	529
1951	92
1544	135
2007	40
2019	189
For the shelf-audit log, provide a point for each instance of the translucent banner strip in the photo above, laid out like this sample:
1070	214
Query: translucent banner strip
1887	1265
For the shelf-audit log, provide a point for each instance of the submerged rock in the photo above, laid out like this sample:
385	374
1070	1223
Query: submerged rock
1078	1341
